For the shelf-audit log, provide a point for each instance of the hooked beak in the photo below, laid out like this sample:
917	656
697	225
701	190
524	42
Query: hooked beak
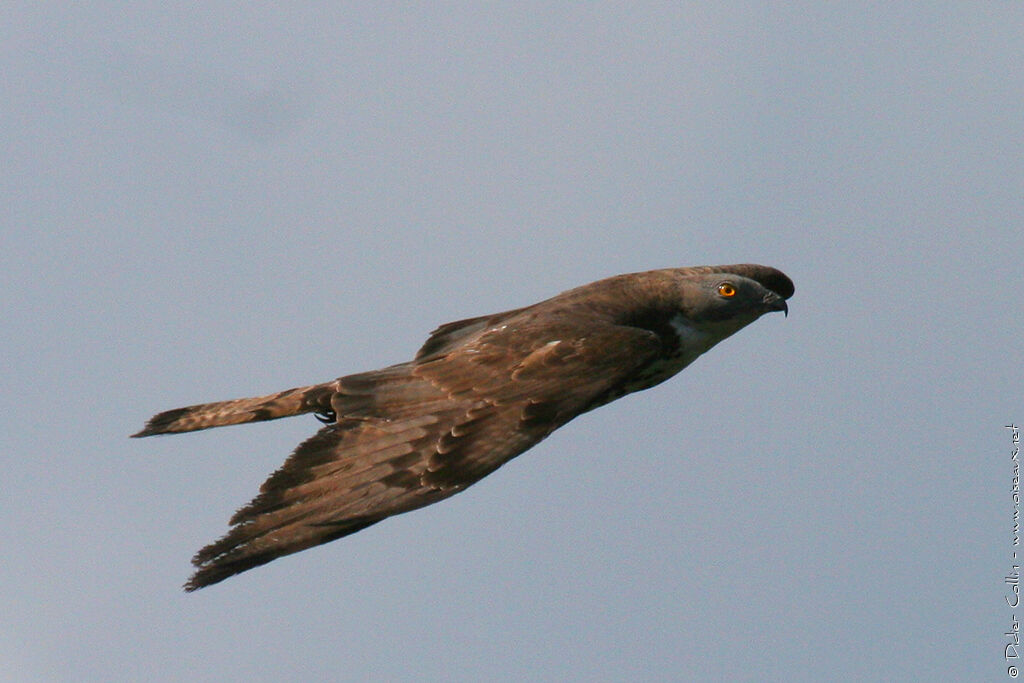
774	302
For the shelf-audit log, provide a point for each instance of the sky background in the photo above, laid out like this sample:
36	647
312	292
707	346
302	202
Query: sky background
202	202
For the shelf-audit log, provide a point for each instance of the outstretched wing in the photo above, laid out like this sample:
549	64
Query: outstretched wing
344	478
540	379
416	433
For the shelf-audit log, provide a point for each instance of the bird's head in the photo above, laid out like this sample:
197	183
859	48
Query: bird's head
722	296
728	298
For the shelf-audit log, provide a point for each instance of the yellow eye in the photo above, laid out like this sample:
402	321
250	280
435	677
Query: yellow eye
725	289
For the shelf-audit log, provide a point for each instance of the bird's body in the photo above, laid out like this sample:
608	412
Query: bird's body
479	392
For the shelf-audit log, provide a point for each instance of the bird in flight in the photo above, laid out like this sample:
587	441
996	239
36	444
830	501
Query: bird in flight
478	393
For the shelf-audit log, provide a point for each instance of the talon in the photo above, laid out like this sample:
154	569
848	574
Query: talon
326	416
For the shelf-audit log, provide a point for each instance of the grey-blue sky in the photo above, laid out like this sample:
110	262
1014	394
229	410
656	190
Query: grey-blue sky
202	202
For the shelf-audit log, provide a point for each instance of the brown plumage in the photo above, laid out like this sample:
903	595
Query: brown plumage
479	392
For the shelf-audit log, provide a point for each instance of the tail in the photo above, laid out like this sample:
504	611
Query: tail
312	399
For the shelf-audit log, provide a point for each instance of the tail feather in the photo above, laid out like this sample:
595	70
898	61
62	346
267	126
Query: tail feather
397	442
309	399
